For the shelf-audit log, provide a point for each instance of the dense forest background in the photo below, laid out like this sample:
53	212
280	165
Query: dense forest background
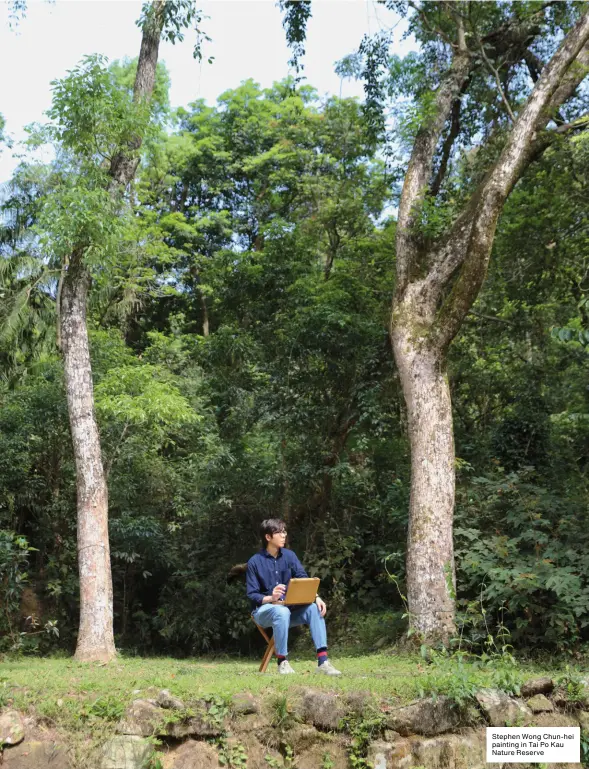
243	370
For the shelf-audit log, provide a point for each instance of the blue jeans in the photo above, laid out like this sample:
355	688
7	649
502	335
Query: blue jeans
280	618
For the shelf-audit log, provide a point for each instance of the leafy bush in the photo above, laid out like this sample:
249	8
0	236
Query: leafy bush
14	556
525	559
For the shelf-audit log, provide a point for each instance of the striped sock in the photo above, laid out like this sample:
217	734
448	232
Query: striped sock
322	655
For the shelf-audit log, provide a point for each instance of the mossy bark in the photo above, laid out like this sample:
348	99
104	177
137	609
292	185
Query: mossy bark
430	554
437	284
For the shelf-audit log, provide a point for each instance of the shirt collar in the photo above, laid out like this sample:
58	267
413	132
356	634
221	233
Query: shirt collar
267	554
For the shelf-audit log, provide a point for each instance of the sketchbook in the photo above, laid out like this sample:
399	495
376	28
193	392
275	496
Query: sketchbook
301	590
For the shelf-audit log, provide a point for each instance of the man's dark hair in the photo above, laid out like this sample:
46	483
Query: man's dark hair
271	526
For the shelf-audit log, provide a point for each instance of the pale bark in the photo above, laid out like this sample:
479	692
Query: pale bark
124	164
426	316
95	635
430	553
205	315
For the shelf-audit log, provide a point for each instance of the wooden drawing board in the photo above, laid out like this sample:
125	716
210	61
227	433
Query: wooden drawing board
301	590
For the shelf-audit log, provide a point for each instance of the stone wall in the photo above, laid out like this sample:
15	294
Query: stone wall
308	729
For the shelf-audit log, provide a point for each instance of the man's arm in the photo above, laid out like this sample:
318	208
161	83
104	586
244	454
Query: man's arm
296	568
253	586
254	589
298	571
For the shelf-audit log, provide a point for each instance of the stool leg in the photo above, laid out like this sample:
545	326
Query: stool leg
268	654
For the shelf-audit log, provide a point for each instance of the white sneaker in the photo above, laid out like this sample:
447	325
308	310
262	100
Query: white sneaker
327	669
284	668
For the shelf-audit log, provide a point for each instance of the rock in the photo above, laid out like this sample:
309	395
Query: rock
253	722
145	719
359	702
428	717
36	755
583	717
540	704
12	730
169	701
193	755
257	751
302	737
502	710
322	753
379	754
244	704
192	727
537	686
555	719
142	719
560	698
126	752
459	751
387	755
322	709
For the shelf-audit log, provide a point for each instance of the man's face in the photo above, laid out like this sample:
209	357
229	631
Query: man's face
277	539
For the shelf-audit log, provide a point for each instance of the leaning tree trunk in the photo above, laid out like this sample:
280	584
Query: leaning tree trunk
95	636
430	551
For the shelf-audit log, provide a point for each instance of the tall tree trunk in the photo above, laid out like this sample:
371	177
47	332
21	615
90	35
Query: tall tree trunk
430	549
205	315
435	290
95	636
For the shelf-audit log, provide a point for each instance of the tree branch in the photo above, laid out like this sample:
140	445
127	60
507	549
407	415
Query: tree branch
124	163
558	81
422	157
116	450
63	270
448	143
495	74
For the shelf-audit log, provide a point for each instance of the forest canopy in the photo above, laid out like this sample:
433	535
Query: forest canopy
243	368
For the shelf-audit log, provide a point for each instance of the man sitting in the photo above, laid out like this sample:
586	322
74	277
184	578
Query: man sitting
268	573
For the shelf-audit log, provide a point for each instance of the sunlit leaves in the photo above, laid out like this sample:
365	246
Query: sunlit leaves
95	116
80	213
143	394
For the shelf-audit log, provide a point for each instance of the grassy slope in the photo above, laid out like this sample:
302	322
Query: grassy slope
61	689
80	704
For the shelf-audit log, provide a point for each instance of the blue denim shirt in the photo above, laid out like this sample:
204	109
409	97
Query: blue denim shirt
264	572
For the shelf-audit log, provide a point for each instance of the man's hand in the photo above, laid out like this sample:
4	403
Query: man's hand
321	606
278	593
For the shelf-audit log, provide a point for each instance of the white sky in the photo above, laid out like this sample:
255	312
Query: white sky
247	41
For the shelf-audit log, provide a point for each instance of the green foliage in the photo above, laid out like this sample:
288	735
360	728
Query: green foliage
573	686
242	367
232	756
362	729
283	715
143	395
105	708
296	16
2	135
178	15
14	556
532	568
94	116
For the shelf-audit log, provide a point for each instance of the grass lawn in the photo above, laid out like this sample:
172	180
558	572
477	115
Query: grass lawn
70	693
80	704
